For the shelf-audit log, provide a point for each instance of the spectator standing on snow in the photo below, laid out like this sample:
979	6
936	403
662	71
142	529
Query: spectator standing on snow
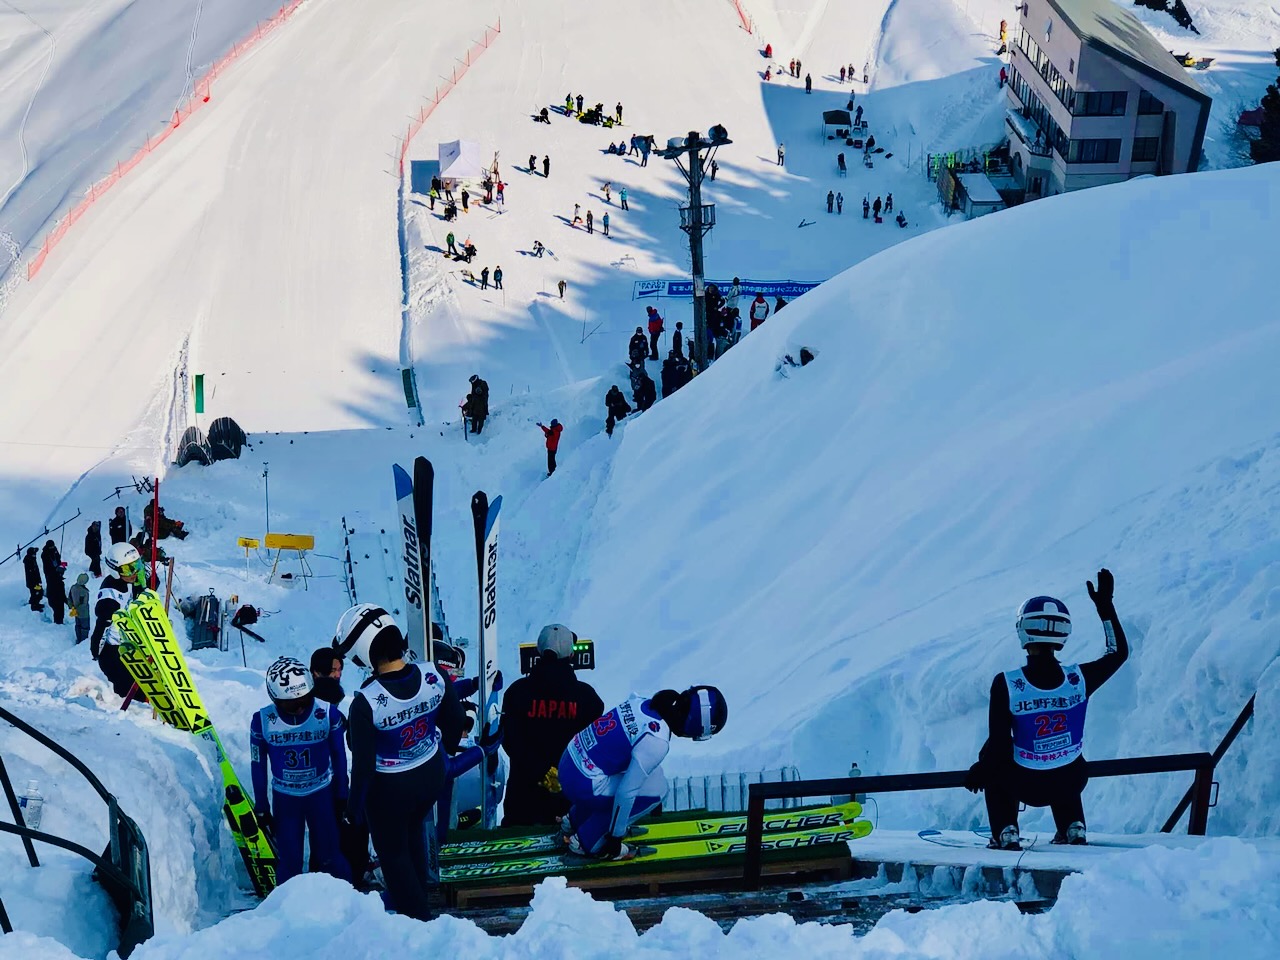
607	190
432	197
577	214
604	222
715	168
484	279
93	547
502	193
466	198
866	208
562	285
875	208
579	102
591	227
735	294
782	154
618	110
655	331
533	163
638	347
808	83
616	408
670	378
497	278
552	435
80	607
646	394
857	117
842	74
646	144
31	567
450	244
546	166
118	527
759	310
831	201
839	203
622	198
799	67
888	203
476	407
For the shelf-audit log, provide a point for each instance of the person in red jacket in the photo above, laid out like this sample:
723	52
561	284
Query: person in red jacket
759	310
655	331
552	433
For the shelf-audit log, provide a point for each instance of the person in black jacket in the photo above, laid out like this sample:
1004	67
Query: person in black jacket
122	583
93	547
476	406
118	527
638	348
54	579
646	394
31	566
1033	752
403	721
541	714
616	408
670	376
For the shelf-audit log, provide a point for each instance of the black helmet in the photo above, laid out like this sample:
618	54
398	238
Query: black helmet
473	378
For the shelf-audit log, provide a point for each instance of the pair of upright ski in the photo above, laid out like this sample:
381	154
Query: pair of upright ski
415	500
151	653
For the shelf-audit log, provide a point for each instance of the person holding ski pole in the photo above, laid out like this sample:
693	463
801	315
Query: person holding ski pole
300	743
611	772
1033	753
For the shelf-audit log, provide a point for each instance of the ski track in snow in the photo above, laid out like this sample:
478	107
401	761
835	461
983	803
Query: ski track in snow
191	47
22	127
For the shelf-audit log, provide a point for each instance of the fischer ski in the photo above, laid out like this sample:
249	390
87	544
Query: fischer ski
153	657
417	631
727	825
484	516
658	853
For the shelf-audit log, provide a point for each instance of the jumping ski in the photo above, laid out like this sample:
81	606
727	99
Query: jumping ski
424	481
484	516
411	575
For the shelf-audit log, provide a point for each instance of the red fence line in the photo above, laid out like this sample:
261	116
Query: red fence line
200	95
477	48
748	24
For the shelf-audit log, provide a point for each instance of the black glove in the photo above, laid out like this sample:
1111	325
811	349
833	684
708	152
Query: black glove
1103	595
975	780
354	816
265	822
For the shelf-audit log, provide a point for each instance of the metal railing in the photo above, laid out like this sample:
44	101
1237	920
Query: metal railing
123	869
1201	793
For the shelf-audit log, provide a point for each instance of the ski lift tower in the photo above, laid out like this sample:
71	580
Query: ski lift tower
691	154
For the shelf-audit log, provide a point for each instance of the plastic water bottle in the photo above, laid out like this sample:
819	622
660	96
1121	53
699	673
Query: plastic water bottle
32	805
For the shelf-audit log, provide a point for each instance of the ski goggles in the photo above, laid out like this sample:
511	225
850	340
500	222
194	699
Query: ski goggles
131	571
703	708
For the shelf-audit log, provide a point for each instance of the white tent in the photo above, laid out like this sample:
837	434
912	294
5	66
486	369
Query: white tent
460	160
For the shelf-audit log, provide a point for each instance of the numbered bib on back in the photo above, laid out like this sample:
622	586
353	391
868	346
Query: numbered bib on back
299	751
405	732
604	748
1048	725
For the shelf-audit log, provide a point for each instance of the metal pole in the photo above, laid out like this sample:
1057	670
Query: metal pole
1198	822
755	837
17	813
266	489
1218	754
155	535
695	250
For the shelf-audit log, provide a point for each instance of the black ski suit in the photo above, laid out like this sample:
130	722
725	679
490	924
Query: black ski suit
397	805
646	394
477	405
118	526
1007	783
638	348
541	714
104	648
93	547
31	566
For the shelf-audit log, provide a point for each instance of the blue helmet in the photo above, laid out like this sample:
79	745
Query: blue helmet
707	714
1043	620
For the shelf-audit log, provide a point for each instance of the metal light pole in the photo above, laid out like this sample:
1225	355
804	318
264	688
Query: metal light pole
696	220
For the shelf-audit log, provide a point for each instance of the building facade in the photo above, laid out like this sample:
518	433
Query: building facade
1095	99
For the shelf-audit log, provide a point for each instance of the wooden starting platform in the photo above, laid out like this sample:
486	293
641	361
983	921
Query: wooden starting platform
829	863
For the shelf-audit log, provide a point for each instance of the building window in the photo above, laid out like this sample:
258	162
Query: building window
1101	104
1094	151
1149	105
1146	149
1040	60
1035	111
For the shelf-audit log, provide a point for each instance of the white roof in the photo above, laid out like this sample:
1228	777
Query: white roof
460	160
980	188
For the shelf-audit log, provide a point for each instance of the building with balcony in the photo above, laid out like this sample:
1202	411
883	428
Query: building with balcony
1094	98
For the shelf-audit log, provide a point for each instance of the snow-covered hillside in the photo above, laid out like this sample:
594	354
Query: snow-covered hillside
996	409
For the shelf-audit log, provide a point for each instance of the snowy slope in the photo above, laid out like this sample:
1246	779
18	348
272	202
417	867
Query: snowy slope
83	83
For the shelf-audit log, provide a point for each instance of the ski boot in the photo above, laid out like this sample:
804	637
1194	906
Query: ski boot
1009	839
621	852
1074	835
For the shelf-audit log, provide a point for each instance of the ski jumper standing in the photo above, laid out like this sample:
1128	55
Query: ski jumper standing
402	721
121	585
299	742
611	772
542	712
1033	752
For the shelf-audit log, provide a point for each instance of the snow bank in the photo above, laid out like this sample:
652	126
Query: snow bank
1220	897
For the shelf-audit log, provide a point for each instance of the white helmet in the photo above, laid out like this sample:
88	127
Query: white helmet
121	556
558	639
356	630
288	680
1043	620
